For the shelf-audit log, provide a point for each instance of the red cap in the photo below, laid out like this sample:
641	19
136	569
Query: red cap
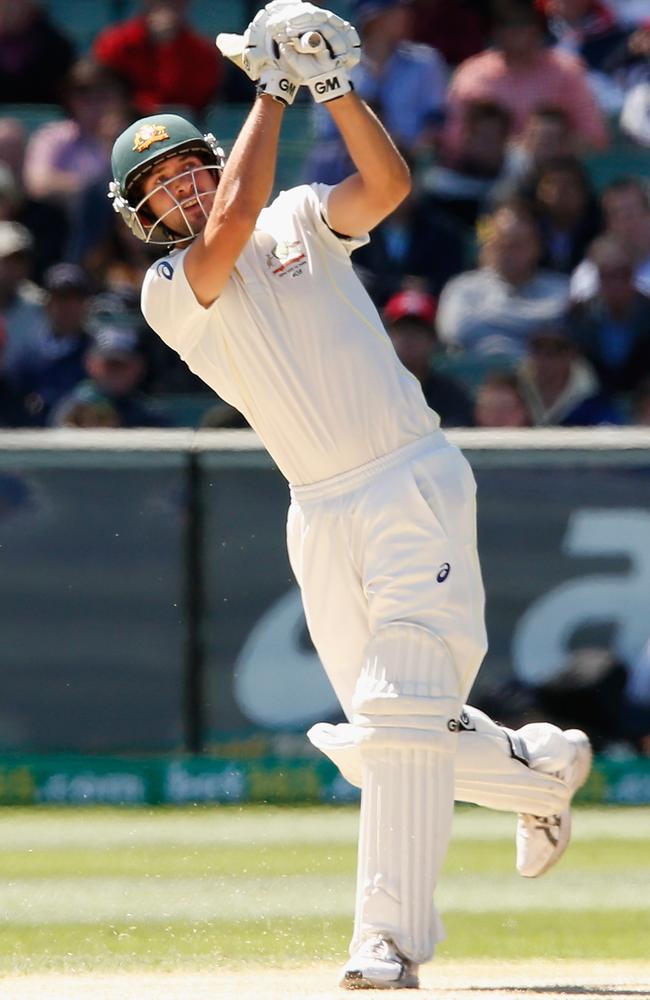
413	304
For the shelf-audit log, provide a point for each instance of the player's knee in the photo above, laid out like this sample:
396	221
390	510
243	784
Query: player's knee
408	690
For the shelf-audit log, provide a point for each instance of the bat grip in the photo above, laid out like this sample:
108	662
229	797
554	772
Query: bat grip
310	42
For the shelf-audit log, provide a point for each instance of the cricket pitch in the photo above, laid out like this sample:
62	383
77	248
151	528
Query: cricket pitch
444	980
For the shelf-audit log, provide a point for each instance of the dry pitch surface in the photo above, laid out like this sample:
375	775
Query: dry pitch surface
537	980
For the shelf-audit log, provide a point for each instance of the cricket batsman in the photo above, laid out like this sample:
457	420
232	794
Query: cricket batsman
263	304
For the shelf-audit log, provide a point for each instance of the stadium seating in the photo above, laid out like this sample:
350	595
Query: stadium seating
81	20
225	120
32	115
471	369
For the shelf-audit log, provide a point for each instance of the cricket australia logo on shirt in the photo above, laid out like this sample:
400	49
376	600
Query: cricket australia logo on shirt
286	258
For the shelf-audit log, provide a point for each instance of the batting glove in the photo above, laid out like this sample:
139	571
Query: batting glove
255	53
324	71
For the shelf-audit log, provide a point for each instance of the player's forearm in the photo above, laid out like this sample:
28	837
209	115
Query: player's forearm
383	170
243	191
247	179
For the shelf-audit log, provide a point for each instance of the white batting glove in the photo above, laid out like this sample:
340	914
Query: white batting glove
324	71
255	53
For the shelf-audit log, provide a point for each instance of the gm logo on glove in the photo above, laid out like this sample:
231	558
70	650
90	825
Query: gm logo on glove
325	86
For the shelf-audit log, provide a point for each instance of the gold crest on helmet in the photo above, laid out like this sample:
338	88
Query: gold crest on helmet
147	135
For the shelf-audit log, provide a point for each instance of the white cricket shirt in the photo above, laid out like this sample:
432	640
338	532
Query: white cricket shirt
295	343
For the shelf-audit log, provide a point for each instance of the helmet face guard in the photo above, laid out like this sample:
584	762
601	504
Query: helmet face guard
143	146
151	228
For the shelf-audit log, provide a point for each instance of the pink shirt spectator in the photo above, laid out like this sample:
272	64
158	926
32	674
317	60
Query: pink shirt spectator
548	78
61	148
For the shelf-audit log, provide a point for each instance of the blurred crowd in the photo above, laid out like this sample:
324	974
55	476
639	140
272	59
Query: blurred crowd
513	286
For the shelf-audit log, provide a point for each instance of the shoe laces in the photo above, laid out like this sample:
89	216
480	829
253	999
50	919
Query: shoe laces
548	825
380	947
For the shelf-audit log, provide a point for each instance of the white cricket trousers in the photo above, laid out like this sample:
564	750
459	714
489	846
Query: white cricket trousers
391	541
385	556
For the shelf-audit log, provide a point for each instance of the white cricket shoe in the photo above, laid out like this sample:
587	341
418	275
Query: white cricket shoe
542	840
378	965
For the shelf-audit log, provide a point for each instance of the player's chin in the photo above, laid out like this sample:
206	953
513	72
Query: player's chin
187	226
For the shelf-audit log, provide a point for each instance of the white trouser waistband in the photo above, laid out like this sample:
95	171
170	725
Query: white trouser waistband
351	480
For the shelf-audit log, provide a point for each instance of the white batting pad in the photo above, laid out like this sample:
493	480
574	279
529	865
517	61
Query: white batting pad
510	769
406	696
494	767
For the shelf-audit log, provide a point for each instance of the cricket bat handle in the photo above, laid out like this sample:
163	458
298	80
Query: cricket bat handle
310	43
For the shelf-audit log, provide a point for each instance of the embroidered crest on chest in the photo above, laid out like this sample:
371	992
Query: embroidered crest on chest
286	258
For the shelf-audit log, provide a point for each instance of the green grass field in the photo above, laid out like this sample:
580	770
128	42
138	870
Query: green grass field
93	889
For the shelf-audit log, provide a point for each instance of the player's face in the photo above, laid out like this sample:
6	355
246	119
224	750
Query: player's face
179	192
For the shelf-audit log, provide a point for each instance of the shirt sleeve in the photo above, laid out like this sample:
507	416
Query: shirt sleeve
308	204
169	305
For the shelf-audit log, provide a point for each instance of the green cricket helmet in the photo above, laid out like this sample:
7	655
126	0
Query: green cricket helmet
144	144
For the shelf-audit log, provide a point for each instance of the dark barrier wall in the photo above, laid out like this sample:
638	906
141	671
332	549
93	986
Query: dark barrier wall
147	602
91	596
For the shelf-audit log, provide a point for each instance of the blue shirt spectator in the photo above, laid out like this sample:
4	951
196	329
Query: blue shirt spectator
54	363
560	386
404	82
494	309
612	327
116	366
21	309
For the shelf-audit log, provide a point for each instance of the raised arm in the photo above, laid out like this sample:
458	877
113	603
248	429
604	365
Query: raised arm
244	189
382	180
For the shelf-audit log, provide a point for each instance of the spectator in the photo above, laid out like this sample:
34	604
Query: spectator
493	310
163	59
547	135
46	223
520	73
89	408
499	402
21	310
612	328
574	23
458	29
119	307
591	30
560	386
403	82
463	180
34	55
604	40
419	240
117	259
12	410
62	157
54	364
626	209
568	210
409	319
115	364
